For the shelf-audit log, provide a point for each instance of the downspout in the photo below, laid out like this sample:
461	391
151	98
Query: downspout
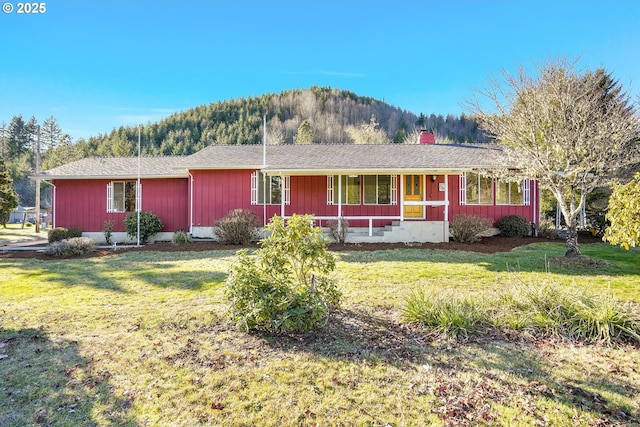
190	203
264	174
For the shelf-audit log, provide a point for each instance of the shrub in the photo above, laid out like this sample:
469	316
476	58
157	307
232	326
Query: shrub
284	286
71	247
514	226
150	224
238	227
338	235
547	228
107	230
469	228
61	233
181	237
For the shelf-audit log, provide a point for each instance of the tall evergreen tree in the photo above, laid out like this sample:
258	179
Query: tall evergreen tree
305	133
17	138
8	195
50	134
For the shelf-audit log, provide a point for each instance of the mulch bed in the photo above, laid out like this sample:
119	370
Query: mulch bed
487	245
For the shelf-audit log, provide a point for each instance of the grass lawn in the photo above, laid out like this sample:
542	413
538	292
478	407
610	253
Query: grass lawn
141	339
15	233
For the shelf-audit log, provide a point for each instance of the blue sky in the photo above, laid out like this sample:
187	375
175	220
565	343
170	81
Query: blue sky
97	65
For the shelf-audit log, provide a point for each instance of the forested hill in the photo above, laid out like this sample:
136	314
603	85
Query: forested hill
315	115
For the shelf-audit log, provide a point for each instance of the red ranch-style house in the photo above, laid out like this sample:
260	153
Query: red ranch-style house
388	193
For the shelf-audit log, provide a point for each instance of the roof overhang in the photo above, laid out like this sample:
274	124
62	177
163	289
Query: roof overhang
108	177
366	171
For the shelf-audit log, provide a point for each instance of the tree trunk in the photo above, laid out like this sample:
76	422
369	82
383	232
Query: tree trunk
573	249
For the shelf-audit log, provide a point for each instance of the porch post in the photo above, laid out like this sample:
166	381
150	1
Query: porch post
445	229
401	197
339	204
446	197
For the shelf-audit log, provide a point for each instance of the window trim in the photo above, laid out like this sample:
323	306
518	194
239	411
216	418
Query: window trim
111	194
332	193
393	190
525	185
463	190
256	190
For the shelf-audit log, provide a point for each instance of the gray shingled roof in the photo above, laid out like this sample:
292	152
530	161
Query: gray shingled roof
290	159
319	158
118	167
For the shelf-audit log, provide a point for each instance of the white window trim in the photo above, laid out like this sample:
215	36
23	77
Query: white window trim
255	179
525	185
329	189
463	190
393	191
138	197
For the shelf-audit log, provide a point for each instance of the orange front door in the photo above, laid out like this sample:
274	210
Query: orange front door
413	192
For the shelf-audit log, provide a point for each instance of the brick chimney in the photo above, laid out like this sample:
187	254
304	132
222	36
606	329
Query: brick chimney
427	138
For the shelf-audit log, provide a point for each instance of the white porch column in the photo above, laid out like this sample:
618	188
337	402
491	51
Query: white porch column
282	195
401	197
446	197
339	200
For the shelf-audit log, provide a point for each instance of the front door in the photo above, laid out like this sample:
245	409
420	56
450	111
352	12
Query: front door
413	192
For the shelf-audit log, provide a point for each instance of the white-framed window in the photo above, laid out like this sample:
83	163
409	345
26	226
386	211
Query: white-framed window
476	189
273	190
513	192
123	196
380	190
350	189
374	189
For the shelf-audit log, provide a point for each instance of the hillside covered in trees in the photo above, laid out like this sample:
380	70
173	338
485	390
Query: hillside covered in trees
315	115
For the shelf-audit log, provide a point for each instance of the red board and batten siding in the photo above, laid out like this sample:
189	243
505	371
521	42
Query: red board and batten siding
493	211
216	192
83	204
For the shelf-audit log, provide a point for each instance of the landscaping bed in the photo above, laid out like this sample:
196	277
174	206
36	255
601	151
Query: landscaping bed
488	245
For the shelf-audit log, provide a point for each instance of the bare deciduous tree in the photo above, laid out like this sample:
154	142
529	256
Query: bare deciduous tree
574	131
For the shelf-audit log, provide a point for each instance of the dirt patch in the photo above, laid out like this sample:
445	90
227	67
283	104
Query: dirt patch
487	245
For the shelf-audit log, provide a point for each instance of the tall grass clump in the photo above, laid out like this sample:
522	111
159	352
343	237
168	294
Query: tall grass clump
447	313
181	237
538	310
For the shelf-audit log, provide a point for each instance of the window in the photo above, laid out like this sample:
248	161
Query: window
273	190
380	190
476	189
123	197
377	189
513	192
350	189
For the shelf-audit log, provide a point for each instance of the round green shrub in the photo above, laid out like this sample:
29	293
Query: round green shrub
61	233
285	285
150	224
514	226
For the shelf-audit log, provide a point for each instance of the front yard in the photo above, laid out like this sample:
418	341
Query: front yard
141	339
